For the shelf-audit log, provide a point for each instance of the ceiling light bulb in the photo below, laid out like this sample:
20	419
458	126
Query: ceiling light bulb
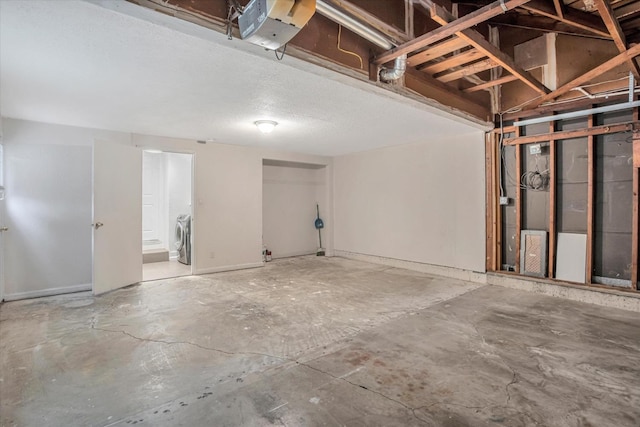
266	126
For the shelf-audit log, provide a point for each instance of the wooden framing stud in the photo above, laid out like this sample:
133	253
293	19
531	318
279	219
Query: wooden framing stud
518	200
590	203
552	203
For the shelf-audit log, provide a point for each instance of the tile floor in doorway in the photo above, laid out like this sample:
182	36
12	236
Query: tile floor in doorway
317	341
164	270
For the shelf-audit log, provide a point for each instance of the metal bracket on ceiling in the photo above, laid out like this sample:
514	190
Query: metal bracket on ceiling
504	6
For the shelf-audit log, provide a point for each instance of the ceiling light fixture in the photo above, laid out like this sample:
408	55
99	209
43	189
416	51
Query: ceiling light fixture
266	126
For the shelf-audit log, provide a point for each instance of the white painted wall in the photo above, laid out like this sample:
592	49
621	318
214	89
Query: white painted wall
48	207
227	212
227	209
289	197
421	202
178	193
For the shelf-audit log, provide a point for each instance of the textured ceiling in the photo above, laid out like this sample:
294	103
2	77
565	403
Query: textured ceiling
78	63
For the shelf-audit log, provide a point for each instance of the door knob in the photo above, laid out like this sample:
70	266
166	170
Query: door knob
4	229
97	225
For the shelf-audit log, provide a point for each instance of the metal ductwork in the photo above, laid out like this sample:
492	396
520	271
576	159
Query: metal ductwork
391	74
368	33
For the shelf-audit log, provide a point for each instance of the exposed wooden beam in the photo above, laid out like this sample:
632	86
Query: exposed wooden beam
591	197
492	83
518	201
575	18
477	40
559	8
454	61
426	85
588	76
436	51
635	213
578	133
467	21
627	10
469	70
542	23
616	33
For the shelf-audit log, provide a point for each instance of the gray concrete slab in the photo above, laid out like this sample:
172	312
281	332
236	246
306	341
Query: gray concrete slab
317	341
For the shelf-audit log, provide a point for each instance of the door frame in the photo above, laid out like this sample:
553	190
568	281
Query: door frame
194	224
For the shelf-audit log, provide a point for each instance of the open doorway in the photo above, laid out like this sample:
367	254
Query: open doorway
167	231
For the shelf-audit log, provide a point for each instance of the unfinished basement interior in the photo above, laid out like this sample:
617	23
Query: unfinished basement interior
319	213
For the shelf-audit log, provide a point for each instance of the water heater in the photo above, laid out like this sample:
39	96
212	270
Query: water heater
272	23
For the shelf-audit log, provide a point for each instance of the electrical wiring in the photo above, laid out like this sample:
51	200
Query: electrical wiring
535	180
501	148
348	51
284	49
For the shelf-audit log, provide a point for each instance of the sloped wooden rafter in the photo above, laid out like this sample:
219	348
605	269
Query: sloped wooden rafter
588	76
606	13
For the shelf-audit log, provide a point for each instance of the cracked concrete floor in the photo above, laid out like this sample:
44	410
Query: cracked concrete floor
317	341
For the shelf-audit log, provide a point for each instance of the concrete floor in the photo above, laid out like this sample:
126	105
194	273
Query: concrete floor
317	341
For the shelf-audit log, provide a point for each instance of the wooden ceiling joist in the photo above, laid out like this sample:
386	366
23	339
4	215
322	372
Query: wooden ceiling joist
477	40
426	85
627	11
467	21
588	76
576	18
492	83
454	61
543	24
436	51
469	70
616	33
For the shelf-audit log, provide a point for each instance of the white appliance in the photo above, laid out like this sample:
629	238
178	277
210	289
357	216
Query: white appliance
183	238
272	23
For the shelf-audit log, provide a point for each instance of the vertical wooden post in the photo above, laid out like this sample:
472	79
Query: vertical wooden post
634	230
552	203
497	218
635	217
518	200
590	202
489	200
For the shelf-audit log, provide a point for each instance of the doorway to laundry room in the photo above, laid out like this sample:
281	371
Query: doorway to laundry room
167	191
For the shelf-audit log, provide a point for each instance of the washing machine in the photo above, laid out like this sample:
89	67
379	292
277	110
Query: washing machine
183	238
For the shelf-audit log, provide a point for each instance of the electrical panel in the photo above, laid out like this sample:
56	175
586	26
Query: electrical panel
272	23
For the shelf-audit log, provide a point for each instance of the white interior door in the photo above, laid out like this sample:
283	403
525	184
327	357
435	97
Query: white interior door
117	216
152	192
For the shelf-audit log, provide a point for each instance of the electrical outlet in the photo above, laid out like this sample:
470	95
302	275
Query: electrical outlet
535	149
504	201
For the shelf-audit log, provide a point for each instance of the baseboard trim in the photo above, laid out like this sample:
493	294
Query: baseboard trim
48	292
295	254
600	296
228	268
173	255
436	270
